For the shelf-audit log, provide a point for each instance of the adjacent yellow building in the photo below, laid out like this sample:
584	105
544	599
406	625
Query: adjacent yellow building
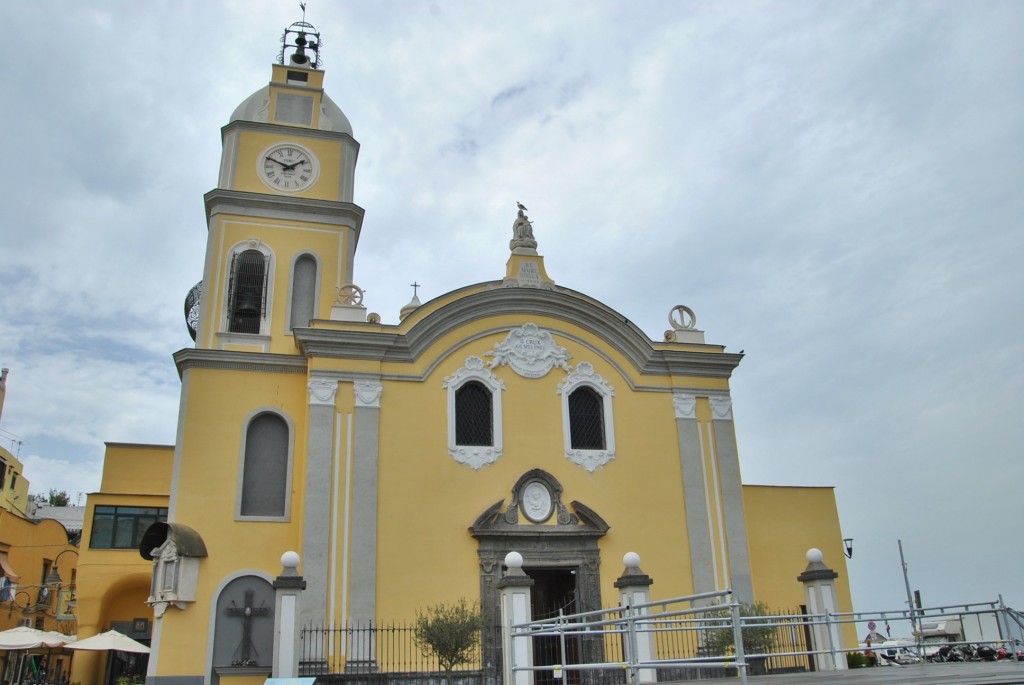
404	460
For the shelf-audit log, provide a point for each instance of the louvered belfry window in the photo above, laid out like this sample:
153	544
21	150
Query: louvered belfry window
248	297
473	415
586	419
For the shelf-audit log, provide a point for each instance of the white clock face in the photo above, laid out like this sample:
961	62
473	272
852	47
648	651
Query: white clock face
288	168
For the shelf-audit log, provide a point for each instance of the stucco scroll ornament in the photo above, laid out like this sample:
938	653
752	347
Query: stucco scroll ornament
680	318
685	405
721	407
531	352
322	391
368	393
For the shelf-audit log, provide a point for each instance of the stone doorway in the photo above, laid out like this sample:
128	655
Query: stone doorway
560	553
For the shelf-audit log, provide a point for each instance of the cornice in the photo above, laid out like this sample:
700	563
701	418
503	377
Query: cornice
285	207
286	131
577	310
224	360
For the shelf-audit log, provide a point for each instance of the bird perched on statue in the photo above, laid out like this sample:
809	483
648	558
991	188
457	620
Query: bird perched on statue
521	207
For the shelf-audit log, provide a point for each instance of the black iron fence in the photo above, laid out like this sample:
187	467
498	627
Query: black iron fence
384	648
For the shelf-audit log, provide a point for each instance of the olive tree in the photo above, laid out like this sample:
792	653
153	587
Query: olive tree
448	631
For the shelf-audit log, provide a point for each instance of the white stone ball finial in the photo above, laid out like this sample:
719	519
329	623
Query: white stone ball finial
290	559
514	560
631	560
814	555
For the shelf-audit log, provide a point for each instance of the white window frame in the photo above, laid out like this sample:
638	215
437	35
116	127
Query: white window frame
475	456
585	375
239	516
226	335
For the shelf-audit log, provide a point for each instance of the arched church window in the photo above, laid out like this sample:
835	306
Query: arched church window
474	419
587	422
247	296
303	301
586	419
474	414
265	468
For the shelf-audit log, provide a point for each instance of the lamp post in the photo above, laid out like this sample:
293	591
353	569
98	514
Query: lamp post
53	581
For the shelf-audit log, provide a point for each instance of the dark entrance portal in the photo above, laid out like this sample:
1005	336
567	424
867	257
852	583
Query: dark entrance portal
554	590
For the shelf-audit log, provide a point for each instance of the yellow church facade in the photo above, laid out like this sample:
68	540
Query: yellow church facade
403	461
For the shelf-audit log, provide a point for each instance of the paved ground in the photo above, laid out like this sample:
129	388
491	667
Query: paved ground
972	673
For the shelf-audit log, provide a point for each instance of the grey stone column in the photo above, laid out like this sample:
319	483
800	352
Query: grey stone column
516	609
732	497
363	589
316	511
288	589
820	592
691	460
634	591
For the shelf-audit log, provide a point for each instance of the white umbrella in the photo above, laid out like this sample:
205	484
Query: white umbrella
110	640
24	637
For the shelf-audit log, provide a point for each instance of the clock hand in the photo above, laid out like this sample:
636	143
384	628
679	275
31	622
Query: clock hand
278	162
290	167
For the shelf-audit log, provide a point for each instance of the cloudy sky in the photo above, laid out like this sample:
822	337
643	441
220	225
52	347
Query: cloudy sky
833	187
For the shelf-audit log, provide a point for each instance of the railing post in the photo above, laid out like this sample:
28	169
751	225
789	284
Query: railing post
634	591
517	650
288	589
820	592
737	638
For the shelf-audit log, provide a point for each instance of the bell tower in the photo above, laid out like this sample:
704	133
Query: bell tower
282	224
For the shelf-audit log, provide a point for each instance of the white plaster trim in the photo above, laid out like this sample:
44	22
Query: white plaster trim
322	391
685	405
530	351
584	374
721	407
368	393
475	456
709	514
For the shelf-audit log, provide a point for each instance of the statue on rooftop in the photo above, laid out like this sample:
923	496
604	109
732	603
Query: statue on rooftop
522	231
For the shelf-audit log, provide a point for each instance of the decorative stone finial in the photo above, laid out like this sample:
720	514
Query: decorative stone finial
290	564
514	560
631	560
522	241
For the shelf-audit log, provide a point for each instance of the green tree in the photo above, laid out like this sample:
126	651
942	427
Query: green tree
57	498
756	639
448	631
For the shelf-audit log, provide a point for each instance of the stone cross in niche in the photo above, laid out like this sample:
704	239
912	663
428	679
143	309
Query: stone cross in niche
248	614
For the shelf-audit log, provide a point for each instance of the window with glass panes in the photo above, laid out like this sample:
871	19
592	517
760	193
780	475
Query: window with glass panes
122	527
474	415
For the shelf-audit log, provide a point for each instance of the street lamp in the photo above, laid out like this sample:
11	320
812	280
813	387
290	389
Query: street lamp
53	578
53	581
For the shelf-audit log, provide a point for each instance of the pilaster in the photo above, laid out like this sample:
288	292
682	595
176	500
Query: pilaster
732	497
363	606
316	520
695	486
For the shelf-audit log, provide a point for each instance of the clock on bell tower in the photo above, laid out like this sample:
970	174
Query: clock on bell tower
282	224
